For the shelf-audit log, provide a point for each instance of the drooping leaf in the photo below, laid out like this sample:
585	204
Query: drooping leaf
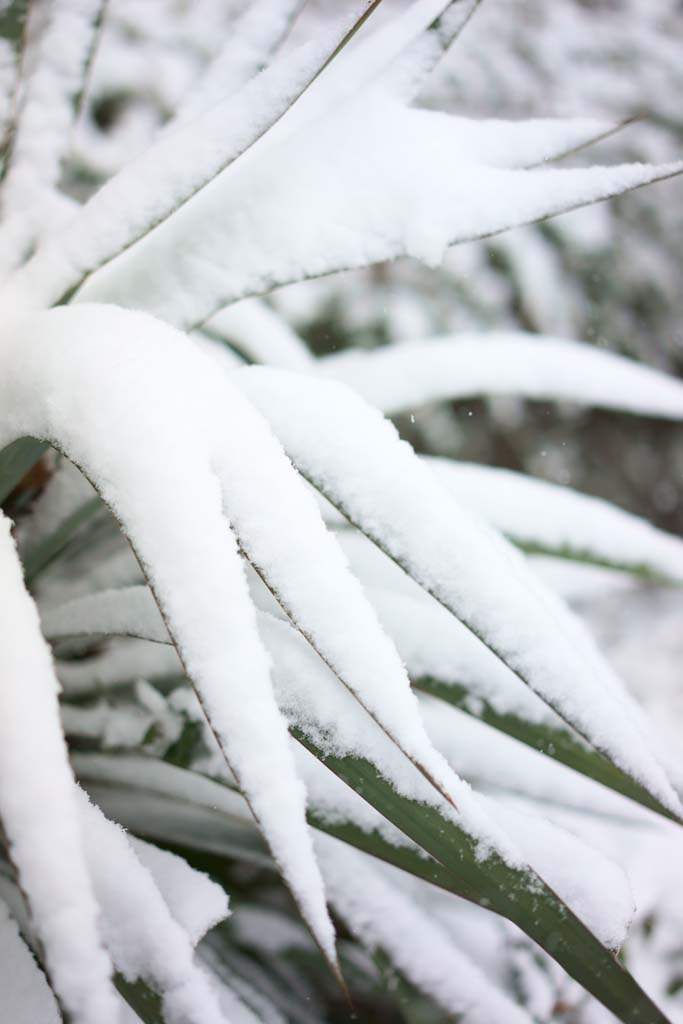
442	855
531	366
148	191
316	208
38	806
358	462
545	518
210	616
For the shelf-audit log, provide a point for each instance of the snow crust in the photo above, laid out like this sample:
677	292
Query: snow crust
532	366
148	189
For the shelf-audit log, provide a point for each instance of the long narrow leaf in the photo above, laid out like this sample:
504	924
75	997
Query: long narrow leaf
379	484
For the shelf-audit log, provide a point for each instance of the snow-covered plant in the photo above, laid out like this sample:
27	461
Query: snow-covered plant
285	644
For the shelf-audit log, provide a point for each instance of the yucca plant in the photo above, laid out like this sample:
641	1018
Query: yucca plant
285	643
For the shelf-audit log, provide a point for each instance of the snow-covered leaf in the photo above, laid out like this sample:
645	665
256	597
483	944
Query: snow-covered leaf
192	564
358	462
368	182
38	806
146	192
550	519
531	366
46	107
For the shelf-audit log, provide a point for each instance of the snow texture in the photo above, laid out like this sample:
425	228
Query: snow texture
247	49
402	183
594	887
141	934
46	110
172	170
113	408
38	806
25	996
557	520
358	462
383	917
532	366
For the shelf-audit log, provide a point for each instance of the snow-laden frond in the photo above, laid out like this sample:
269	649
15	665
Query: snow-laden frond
358	462
38	806
46	108
555	520
385	918
192	563
407	73
172	170
253	39
370	181
578	874
144	938
532	366
25	996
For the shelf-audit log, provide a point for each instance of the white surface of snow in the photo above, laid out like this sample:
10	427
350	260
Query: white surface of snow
560	520
464	366
142	935
401	184
383	917
195	901
113	407
357	460
25	996
38	806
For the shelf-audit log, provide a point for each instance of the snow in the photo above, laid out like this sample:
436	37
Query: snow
383	917
401	184
46	108
195	901
261	335
38	806
309	695
592	885
127	611
247	49
143	937
170	171
25	996
532	366
408	71
558	520
113	408
358	462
